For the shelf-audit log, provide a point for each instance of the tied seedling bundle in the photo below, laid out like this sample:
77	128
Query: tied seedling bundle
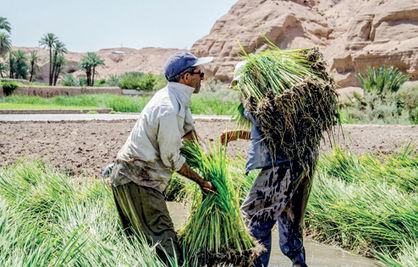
294	99
215	232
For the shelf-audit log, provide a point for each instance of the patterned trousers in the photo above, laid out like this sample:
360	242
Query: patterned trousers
279	194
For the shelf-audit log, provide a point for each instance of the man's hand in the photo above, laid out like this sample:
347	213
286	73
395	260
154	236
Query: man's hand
207	187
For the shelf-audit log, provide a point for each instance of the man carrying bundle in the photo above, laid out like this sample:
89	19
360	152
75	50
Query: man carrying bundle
277	195
151	154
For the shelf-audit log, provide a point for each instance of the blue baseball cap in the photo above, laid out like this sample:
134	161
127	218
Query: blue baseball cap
180	61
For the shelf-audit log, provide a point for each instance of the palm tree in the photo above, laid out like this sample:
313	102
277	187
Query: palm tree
85	65
21	64
3	69
5	25
59	49
18	64
59	63
48	41
89	64
12	63
95	61
33	61
5	43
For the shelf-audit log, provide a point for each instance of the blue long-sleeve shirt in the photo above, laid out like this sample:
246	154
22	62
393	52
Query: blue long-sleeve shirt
258	155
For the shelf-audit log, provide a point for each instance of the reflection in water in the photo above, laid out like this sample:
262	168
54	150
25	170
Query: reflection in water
318	255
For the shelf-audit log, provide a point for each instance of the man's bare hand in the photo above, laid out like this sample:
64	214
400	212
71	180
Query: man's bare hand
207	187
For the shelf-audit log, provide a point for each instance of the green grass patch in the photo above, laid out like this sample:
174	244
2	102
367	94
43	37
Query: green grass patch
118	103
219	103
39	106
49	219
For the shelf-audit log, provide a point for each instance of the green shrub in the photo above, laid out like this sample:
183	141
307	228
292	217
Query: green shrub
101	82
92	112
212	85
409	95
382	79
9	87
82	82
160	82
376	108
113	80
138	81
69	80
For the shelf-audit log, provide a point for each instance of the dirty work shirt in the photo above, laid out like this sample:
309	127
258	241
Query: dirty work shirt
152	151
258	153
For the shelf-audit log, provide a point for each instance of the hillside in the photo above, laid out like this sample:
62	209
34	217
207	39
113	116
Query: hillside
351	34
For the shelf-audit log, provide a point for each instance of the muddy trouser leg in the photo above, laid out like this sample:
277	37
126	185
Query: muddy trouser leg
261	230
291	220
144	210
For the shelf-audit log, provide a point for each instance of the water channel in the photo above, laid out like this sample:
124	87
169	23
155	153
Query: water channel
318	255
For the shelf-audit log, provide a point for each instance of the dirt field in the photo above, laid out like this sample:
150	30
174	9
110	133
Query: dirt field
87	147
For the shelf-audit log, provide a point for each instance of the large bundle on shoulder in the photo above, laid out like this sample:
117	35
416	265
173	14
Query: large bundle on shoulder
215	232
293	98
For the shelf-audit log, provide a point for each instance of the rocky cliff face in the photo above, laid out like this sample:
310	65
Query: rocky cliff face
351	34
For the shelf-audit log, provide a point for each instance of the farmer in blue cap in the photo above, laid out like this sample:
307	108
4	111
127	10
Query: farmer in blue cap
276	196
151	154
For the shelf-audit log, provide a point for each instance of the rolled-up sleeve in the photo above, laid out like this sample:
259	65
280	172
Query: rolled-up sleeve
169	142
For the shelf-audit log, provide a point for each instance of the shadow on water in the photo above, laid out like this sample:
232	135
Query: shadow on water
317	255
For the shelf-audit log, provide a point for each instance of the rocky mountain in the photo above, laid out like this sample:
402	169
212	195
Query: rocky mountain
117	61
351	34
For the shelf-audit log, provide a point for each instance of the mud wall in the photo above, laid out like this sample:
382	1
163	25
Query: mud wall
44	91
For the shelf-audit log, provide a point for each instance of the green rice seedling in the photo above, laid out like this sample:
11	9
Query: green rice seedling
293	97
48	219
407	257
182	189
215	232
366	204
178	189
399	170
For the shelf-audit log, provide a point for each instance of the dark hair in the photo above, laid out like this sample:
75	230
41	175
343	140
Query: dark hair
177	77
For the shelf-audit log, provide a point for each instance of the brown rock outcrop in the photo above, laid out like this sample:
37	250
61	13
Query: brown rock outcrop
351	34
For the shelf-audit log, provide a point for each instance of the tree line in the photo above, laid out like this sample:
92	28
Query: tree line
19	65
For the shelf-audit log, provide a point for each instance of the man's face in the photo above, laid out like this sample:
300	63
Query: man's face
194	79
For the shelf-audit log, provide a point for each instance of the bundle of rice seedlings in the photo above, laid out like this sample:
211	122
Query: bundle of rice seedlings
293	97
215	232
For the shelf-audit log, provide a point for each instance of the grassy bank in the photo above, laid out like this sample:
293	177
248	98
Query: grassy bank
210	103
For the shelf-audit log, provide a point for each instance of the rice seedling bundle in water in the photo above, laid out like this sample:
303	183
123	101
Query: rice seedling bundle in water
215	232
293	97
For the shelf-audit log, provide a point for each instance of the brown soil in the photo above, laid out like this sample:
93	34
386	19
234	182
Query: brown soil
87	147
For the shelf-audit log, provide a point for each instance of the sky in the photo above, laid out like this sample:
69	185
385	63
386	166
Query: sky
91	25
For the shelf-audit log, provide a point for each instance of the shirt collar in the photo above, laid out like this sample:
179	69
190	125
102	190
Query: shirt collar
183	91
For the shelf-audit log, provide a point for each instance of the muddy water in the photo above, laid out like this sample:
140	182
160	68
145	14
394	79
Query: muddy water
318	255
